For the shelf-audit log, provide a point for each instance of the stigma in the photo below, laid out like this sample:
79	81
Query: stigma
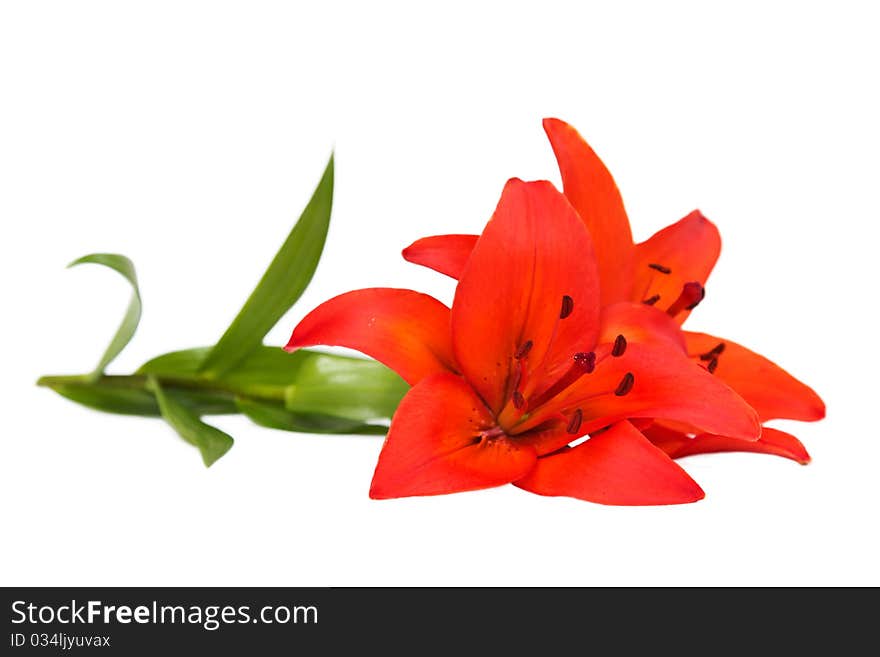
691	295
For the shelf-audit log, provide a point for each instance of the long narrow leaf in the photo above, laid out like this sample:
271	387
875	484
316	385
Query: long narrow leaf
105	394
284	281
132	316
275	416
124	401
211	442
309	382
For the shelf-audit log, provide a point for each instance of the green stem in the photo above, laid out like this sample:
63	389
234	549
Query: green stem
140	382
133	394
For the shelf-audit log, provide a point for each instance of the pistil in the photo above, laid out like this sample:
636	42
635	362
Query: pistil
691	295
583	363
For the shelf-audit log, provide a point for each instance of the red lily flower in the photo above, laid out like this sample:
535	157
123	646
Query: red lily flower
668	272
522	365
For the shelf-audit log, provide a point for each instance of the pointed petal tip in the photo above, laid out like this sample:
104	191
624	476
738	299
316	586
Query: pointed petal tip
376	492
551	123
292	344
817	409
519	183
696	214
697	217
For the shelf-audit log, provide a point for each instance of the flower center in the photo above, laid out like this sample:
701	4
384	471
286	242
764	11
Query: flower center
526	402
538	408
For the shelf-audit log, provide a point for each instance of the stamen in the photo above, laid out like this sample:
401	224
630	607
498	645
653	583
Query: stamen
650	301
584	363
619	346
567	307
517	375
716	351
524	350
626	384
691	295
575	422
713	364
660	268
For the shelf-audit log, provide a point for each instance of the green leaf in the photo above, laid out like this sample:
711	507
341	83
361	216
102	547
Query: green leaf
83	390
284	281
275	416
341	386
132	316
128	395
211	442
185	362
308	382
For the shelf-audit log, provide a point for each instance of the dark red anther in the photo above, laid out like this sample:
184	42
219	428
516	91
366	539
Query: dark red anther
650	301
691	295
567	307
660	268
714	352
626	384
619	346
574	422
712	366
700	298
518	400
524	350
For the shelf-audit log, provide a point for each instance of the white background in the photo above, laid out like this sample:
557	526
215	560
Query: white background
190	135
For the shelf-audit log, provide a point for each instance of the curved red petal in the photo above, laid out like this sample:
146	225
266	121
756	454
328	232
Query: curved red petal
434	445
773	392
594	194
682	253
772	441
617	466
406	330
665	384
447	254
639	323
533	254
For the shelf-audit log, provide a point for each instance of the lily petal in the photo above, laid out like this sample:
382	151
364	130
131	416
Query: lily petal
665	385
531	280
772	441
617	466
681	253
434	445
447	254
772	392
406	330
639	323
589	187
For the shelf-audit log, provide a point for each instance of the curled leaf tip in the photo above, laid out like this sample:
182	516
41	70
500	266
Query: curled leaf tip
132	317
